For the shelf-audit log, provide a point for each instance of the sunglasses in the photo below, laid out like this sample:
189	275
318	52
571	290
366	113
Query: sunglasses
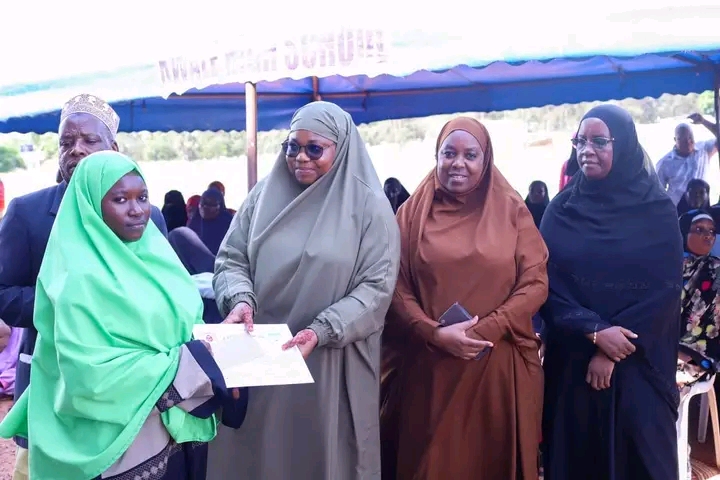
312	150
596	142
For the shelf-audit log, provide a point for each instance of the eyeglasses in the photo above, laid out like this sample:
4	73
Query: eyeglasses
312	150
703	231
597	143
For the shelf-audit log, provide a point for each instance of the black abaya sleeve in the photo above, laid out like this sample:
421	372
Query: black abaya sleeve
562	313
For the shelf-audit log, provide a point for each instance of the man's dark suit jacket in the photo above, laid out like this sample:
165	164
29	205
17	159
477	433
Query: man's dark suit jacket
24	233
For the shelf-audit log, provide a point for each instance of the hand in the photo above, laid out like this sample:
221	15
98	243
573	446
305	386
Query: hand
306	340
600	371
455	341
614	342
241	313
697	118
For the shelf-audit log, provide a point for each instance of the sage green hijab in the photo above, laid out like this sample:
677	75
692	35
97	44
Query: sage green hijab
323	257
111	319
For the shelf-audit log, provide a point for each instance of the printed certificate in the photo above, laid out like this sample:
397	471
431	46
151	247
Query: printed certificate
254	359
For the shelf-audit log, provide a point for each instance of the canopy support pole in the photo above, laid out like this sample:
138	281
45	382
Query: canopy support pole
251	128
316	89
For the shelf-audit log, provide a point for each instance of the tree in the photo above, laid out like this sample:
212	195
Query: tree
706	102
237	145
10	159
148	146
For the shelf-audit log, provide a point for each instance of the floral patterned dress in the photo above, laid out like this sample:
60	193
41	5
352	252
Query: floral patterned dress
701	305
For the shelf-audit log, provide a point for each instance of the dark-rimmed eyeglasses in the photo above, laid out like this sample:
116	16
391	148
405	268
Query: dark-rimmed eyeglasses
312	150
704	232
598	143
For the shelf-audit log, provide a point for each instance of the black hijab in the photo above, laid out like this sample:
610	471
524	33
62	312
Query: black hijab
537	209
395	193
174	210
212	232
616	259
683	206
686	221
630	188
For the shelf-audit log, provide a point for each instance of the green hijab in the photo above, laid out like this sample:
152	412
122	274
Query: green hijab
111	319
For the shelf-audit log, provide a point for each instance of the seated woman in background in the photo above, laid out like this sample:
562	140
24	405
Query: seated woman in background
697	195
537	200
192	207
174	210
395	192
700	325
198	243
119	388
214	219
447	413
218	185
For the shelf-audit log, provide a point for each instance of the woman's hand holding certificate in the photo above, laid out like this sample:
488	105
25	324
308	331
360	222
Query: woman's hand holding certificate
241	313
266	356
306	340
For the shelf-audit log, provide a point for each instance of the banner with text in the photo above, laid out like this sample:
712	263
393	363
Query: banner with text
342	52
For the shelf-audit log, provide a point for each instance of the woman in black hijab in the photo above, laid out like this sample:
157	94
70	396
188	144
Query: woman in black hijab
537	200
197	244
395	192
697	196
174	210
612	314
701	289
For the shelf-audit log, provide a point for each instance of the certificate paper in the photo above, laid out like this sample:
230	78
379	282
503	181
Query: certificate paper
254	359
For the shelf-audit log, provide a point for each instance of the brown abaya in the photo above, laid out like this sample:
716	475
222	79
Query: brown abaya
442	416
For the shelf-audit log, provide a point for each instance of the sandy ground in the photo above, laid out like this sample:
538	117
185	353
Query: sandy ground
7	447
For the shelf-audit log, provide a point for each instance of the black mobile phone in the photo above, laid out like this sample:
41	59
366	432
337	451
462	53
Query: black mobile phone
454	315
457	314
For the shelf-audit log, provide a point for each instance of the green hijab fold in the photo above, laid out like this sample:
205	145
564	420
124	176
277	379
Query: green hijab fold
111	319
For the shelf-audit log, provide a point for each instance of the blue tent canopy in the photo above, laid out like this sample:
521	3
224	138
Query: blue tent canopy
426	70
498	86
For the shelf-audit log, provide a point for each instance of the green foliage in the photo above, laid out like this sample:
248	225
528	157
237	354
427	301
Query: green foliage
147	146
706	102
10	159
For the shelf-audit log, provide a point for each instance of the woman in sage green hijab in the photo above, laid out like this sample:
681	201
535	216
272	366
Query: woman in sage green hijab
118	389
315	246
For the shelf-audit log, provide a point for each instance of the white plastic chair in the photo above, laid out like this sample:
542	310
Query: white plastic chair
709	408
698	388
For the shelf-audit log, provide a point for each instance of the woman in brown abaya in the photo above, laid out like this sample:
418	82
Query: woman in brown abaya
467	237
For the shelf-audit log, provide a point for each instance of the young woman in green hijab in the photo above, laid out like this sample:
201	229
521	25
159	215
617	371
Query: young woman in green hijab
118	390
